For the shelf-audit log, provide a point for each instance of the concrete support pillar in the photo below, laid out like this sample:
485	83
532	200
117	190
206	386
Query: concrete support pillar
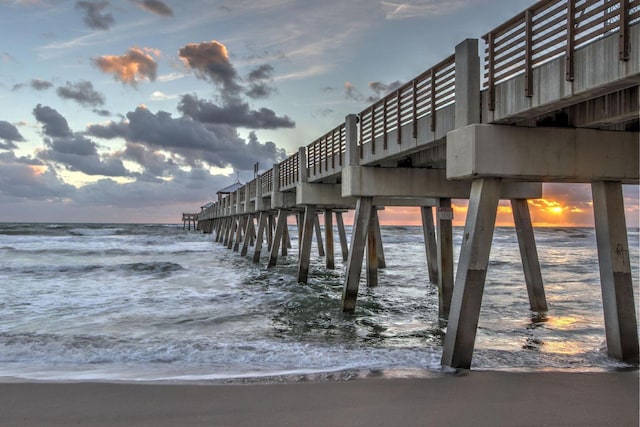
286	241
472	271
615	271
445	256
235	230
342	235
328	235
361	221
372	250
529	255
249	233
382	262
281	225
430	245
262	224
310	219
240	235
316	226
270	229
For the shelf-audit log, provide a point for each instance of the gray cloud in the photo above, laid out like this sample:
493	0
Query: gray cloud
381	89
155	6
263	72
82	92
24	178
38	84
215	144
259	79
8	135
79	153
54	124
234	113
95	17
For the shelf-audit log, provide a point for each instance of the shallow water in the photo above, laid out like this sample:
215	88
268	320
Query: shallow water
154	302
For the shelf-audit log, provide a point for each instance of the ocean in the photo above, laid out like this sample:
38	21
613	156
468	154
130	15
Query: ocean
131	302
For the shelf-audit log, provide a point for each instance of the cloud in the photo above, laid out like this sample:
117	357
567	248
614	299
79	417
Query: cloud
78	153
258	82
218	145
38	84
154	6
95	17
135	65
25	178
233	112
160	96
8	135
82	92
54	124
379	89
210	61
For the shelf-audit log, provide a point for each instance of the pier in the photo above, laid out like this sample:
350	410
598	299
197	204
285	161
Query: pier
554	97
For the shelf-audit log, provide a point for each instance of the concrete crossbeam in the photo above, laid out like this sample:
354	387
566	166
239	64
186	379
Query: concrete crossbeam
362	181
542	154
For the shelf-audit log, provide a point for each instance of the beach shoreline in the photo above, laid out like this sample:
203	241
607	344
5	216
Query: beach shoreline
462	398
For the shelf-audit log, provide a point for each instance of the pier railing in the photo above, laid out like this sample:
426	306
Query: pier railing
266	182
325	155
550	29
288	176
423	96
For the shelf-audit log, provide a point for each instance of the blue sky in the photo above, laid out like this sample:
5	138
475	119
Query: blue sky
137	110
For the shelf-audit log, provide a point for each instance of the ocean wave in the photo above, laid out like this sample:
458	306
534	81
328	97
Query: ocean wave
157	269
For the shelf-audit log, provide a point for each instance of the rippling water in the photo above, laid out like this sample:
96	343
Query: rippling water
154	302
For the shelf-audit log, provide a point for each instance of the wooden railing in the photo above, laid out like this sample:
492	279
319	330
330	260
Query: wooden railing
424	95
288	175
322	152
550	29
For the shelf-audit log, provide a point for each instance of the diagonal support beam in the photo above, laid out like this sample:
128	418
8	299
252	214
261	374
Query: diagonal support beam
472	271
361	221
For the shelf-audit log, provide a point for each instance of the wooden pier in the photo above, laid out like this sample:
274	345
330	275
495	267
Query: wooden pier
556	101
188	219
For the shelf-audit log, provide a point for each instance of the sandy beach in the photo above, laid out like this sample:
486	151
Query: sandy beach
467	398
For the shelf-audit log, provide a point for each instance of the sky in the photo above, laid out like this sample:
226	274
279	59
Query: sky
139	110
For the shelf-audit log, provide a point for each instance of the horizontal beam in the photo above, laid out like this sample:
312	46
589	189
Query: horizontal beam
542	154
362	181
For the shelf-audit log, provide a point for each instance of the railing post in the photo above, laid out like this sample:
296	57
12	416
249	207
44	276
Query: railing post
624	30
351	137
467	86
415	109
399	116
528	48
432	100
569	69
491	63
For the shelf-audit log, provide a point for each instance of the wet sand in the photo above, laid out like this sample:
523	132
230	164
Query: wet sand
473	398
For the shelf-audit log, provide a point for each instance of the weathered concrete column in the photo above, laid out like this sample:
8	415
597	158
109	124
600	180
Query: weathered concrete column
328	235
529	254
472	270
372	250
235	231
281	226
249	233
615	271
227	235
286	242
270	229
240	236
342	235
361	221
262	224
316	226
430	246
382	262
310	219
445	256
